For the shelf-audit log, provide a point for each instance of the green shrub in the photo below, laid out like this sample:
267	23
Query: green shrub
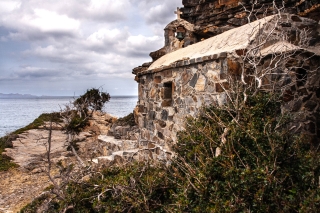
5	162
45	117
262	167
76	124
38	202
133	188
93	99
126	120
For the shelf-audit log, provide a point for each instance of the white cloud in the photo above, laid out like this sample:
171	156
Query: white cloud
47	21
39	24
105	40
140	45
7	6
56	54
56	19
121	42
88	41
116	59
35	72
94	10
108	10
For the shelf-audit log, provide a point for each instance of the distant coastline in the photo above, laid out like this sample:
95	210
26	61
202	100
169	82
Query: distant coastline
28	96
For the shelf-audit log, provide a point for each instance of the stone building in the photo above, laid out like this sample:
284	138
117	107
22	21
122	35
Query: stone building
205	51
177	34
180	82
208	18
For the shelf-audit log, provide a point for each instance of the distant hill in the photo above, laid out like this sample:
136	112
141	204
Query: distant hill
17	95
28	96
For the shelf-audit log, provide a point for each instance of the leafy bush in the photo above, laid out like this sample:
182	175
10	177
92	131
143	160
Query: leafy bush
133	188
5	162
76	123
262	166
37	203
230	159
126	120
45	117
93	99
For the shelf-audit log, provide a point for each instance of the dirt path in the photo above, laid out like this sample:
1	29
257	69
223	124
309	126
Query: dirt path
18	188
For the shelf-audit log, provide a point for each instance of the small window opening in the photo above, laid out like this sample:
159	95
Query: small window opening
301	77
296	19
167	94
157	79
167	90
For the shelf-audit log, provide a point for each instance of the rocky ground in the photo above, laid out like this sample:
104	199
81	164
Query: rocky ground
101	144
19	186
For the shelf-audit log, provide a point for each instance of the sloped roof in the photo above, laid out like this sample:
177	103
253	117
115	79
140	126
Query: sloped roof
279	47
229	41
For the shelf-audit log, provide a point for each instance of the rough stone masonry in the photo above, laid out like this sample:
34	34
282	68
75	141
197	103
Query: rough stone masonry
187	73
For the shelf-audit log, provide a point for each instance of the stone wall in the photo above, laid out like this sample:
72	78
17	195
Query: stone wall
172	43
302	96
168	96
212	17
178	84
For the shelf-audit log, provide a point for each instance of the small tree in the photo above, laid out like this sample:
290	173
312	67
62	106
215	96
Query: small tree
77	115
93	100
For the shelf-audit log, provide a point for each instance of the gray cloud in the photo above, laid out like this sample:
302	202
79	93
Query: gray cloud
158	12
36	72
79	43
106	40
37	35
97	10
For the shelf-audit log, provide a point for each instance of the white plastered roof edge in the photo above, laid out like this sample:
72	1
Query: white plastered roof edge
235	39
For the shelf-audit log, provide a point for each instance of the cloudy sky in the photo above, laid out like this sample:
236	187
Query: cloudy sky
55	47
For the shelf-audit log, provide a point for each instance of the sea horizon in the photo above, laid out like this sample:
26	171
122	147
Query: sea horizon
18	96
16	113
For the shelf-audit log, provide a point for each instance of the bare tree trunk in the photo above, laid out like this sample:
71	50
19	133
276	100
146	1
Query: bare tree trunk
70	139
57	189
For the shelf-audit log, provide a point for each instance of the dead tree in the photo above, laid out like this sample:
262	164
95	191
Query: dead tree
75	117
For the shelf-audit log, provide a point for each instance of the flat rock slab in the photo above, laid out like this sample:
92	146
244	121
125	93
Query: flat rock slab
110	139
120	143
32	144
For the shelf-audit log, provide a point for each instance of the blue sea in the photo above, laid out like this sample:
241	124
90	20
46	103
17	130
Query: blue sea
17	113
